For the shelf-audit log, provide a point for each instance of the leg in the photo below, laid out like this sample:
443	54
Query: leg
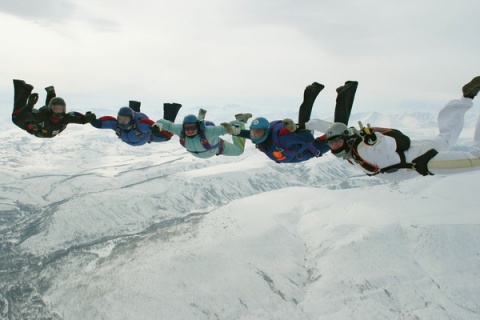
21	96
238	141
450	123
170	111
476	137
22	91
452	162
344	102
458	162
309	95
241	120
234	149
134	105
50	94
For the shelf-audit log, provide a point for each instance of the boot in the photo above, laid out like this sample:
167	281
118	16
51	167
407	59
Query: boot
344	101
201	114
50	94
470	90
50	90
313	89
19	86
134	105
21	94
170	111
32	100
243	117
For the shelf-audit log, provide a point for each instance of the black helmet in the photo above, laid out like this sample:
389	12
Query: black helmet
126	112
57	101
339	131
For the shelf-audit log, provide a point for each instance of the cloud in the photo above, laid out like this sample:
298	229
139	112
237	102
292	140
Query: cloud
58	14
46	10
255	53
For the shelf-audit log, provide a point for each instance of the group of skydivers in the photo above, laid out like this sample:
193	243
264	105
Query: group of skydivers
386	153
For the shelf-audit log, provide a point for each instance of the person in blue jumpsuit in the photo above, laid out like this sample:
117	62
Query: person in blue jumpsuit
134	127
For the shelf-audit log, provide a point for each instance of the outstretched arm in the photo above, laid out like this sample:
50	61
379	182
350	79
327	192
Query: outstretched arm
106	122
77	117
318	125
170	126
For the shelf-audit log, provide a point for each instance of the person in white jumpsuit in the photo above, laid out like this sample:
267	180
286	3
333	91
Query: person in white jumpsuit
380	150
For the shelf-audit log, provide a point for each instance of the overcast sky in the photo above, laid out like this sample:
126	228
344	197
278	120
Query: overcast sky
251	53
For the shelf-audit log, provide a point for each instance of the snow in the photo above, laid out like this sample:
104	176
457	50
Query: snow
154	233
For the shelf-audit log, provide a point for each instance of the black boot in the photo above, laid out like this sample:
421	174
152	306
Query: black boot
21	94
134	105
50	94
20	86
344	102
32	100
309	95
471	89
170	111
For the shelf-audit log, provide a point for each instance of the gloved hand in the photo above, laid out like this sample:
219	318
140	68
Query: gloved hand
89	117
289	124
231	129
32	99
370	138
156	128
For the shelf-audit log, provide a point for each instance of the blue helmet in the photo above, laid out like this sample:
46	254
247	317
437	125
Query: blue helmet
190	119
260	123
126	112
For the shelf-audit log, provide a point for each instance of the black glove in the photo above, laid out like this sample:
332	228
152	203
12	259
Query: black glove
89	117
32	99
156	129
370	138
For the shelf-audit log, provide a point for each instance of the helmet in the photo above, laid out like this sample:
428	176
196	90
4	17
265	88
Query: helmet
340	130
190	119
260	123
337	129
126	112
57	101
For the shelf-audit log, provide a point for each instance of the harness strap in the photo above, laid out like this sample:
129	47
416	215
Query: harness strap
118	132
221	148
281	153
205	143
376	169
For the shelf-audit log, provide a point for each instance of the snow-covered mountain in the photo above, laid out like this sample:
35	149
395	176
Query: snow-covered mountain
92	228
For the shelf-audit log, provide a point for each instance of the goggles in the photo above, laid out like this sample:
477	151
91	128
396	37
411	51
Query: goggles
335	141
190	127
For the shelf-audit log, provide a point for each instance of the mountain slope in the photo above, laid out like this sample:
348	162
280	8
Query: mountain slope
92	228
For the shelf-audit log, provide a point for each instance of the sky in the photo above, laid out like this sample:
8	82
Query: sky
246	55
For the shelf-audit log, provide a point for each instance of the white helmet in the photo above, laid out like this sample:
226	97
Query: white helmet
340	131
